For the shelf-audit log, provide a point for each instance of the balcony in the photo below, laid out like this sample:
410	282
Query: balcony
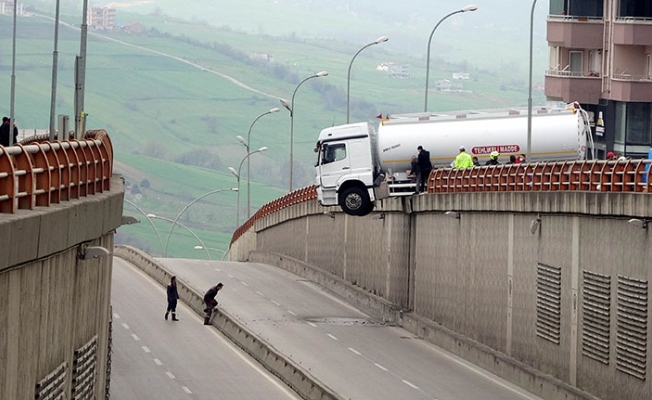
575	32
633	31
631	88
573	86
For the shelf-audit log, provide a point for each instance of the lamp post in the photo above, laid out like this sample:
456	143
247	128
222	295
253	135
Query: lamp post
236	173
148	220
212	249
290	108
273	110
529	97
174	222
381	39
465	9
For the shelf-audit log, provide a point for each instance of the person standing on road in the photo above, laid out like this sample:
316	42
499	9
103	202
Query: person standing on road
425	166
211	303
173	296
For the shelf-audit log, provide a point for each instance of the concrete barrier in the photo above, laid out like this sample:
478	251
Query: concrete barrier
304	384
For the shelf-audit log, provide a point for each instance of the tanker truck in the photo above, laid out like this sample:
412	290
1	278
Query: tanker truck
357	164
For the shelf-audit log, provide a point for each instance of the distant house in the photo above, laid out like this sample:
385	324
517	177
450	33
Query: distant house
447	86
263	56
101	18
7	7
133	27
460	75
394	70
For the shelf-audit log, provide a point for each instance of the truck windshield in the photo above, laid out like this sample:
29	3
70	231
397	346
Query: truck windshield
332	153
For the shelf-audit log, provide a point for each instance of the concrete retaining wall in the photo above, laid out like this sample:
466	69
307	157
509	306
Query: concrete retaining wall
52	303
307	386
485	276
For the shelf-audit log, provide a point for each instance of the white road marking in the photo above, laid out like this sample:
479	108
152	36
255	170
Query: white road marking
292	312
146	349
125	326
410	384
331	336
230	276
170	374
311	324
244	284
260	293
218	270
355	351
116	316
276	302
478	371
136	338
185	389
157	361
381	367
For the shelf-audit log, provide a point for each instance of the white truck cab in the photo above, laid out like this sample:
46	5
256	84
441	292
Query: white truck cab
346	168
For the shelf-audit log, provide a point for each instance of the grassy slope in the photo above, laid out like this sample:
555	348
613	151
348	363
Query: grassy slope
156	109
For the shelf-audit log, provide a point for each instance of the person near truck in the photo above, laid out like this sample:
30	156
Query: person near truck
463	160
493	158
425	166
211	303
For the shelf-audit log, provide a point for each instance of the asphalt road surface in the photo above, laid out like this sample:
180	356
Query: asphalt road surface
165	360
356	356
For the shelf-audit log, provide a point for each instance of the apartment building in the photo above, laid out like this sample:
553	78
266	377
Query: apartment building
7	7
101	18
601	56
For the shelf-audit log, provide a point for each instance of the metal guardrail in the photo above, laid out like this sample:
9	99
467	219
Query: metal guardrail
591	176
36	172
633	78
298	196
632	176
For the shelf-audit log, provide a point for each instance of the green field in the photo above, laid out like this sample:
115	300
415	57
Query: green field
173	125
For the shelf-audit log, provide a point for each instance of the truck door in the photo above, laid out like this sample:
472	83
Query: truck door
333	164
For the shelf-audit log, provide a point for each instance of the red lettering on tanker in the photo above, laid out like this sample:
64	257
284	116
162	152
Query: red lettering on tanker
507	148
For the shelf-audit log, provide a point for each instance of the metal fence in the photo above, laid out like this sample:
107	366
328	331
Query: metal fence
40	173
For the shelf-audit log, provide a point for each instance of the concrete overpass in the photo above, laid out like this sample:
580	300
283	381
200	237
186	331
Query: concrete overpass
545	284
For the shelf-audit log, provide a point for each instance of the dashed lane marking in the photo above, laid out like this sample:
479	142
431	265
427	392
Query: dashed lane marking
146	349
125	326
185	389
292	312
381	367
244	283
276	303
354	351
259	293
157	361
136	338
410	384
331	336
311	324
170	374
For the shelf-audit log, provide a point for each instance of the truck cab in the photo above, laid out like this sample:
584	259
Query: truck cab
346	168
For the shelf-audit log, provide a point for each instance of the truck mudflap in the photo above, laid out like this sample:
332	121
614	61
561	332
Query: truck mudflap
381	190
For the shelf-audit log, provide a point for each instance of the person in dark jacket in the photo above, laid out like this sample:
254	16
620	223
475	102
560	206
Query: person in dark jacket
425	166
211	303
173	296
493	158
5	130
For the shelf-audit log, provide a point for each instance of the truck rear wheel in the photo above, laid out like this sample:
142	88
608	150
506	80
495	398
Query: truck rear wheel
355	201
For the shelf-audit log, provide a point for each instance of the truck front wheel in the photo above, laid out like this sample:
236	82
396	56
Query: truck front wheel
355	201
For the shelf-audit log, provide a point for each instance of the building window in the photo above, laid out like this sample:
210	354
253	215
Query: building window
621	123
576	59
585	8
595	62
554	58
648	67
635	8
639	124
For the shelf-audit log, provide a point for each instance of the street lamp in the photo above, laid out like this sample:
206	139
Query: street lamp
273	110
236	173
529	97
148	220
174	222
381	39
167	242
290	108
224	252
465	9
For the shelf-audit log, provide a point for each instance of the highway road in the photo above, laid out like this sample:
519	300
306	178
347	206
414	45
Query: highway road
353	354
165	360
